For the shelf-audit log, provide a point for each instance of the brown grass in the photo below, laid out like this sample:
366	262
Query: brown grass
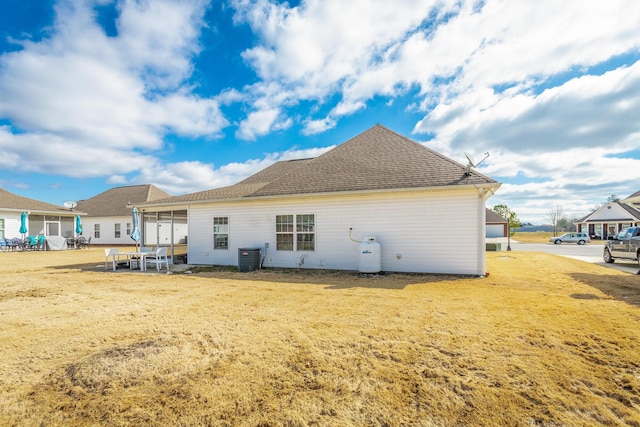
543	340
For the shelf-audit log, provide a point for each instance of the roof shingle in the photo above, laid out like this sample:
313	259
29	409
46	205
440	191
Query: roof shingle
12	201
119	201
377	159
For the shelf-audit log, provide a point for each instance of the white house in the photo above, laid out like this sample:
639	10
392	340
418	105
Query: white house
426	211
108	220
612	217
44	219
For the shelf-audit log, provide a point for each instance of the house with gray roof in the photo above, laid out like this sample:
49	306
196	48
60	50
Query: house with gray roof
419	210
44	219
610	218
108	220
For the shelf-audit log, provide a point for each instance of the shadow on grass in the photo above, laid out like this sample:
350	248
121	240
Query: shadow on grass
623	288
331	279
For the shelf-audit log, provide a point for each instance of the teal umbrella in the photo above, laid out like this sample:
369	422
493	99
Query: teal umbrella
135	233
78	225
23	223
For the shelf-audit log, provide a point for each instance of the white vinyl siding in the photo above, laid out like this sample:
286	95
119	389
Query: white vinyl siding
108	229
434	232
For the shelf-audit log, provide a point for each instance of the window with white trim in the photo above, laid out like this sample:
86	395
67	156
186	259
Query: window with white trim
221	232
295	232
96	231
116	231
1	228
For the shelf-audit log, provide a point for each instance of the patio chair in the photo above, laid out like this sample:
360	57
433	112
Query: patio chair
3	245
41	240
158	259
112	253
81	242
134	261
17	243
31	243
9	243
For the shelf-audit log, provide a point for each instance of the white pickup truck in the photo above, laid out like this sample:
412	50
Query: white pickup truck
625	245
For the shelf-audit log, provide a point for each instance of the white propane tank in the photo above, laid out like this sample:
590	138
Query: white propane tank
369	256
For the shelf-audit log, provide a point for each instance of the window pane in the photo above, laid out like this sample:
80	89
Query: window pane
284	223
284	242
305	223
221	241
220	232
306	242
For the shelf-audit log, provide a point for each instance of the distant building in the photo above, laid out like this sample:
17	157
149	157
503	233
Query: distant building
43	218
611	217
496	225
108	220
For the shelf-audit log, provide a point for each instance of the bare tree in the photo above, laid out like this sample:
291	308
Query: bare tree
612	198
554	216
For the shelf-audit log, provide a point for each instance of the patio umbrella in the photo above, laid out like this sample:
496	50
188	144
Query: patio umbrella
135	233
78	225
23	223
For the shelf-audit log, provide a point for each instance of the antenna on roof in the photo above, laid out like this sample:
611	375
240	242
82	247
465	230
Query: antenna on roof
472	163
70	204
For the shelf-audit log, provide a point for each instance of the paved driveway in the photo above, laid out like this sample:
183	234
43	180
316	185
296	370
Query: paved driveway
591	252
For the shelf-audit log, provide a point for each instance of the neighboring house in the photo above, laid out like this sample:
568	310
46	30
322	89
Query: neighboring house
611	217
496	225
109	213
425	210
42	218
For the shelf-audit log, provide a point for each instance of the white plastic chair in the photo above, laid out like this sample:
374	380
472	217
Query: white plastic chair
158	259
112	253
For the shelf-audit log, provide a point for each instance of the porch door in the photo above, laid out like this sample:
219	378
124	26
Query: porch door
164	233
52	228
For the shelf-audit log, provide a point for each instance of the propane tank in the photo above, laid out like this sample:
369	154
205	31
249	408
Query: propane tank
369	256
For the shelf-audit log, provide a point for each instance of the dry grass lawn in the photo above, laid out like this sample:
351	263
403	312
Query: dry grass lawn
543	340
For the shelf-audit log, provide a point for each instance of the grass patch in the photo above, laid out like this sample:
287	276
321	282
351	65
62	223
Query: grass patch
543	340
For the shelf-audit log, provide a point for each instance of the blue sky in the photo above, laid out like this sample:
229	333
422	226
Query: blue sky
192	94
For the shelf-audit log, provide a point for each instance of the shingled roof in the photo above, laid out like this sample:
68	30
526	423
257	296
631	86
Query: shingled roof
119	201
377	159
494	218
10	201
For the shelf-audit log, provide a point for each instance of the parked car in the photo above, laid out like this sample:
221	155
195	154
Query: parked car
579	238
624	245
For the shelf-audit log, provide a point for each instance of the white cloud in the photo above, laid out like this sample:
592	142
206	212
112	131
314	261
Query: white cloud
185	177
80	95
161	37
259	123
322	47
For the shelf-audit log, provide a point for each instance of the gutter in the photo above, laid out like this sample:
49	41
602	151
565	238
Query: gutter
489	189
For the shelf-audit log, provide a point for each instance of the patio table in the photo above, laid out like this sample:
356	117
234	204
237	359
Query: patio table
140	255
